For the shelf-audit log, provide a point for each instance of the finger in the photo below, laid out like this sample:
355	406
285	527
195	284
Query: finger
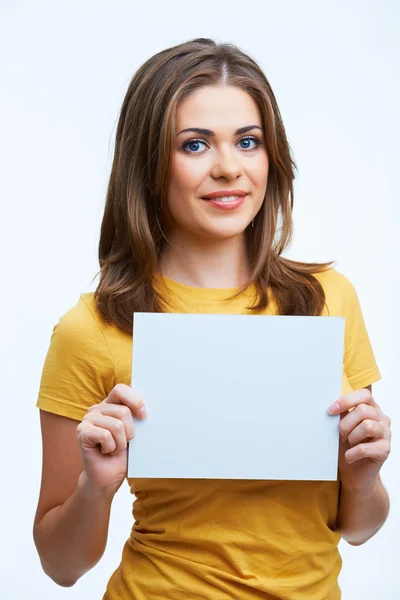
118	411
90	436
107	444
348	401
355	417
124	394
377	451
115	426
367	429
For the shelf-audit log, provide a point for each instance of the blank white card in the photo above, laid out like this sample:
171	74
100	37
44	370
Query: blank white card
236	396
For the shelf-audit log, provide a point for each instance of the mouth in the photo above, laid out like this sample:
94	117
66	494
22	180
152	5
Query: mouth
226	202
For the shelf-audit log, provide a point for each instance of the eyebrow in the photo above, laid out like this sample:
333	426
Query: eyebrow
211	133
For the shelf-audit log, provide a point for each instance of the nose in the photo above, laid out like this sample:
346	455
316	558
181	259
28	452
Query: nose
227	164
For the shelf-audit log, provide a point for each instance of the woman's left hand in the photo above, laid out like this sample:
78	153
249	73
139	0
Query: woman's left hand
364	439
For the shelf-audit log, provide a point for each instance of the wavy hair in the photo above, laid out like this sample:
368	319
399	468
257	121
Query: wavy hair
131	238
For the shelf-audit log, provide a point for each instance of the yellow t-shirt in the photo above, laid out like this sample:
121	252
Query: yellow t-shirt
219	539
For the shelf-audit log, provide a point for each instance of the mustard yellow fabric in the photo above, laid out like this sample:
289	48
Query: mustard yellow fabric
203	539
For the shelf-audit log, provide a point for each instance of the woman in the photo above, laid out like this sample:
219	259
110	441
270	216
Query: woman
198	213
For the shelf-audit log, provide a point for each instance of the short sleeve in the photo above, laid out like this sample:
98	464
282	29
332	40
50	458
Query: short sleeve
78	370
359	360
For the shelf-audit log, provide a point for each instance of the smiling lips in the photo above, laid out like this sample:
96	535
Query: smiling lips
226	199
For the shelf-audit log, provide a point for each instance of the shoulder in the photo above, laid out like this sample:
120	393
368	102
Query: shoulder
81	328
80	316
333	278
79	368
334	282
340	293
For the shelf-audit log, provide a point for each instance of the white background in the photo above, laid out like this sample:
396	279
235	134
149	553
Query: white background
65	69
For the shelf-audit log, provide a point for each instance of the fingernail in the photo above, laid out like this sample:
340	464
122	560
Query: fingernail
142	412
334	408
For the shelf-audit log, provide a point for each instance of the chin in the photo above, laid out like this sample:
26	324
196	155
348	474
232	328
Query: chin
226	230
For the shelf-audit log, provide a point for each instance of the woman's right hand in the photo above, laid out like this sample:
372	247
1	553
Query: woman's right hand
103	436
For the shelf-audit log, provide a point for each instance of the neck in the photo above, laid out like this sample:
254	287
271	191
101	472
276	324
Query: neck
203	262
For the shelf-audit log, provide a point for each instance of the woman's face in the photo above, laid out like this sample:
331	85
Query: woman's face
221	159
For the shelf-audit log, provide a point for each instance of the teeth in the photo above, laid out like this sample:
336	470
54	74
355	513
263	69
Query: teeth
227	198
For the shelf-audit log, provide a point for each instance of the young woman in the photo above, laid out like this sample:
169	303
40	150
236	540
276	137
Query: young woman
198	213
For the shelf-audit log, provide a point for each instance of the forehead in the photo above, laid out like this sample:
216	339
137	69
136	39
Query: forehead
217	106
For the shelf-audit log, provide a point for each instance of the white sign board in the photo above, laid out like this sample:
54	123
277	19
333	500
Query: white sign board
236	396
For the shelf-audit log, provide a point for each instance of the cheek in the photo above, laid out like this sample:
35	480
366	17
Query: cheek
187	175
259	170
186	181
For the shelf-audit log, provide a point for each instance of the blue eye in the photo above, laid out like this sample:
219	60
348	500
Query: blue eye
194	142
191	143
256	141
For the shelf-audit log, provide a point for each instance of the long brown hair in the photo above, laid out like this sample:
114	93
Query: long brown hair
131	238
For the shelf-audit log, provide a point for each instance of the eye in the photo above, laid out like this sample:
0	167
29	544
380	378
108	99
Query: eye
191	143
251	138
194	144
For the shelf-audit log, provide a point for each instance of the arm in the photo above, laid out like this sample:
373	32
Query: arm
362	514
84	465
71	523
364	446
